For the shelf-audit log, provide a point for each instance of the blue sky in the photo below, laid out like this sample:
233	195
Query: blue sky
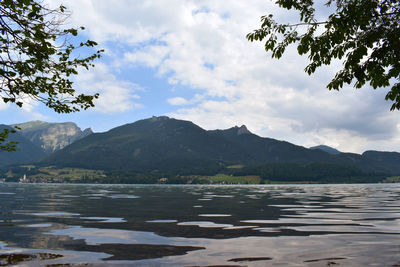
190	60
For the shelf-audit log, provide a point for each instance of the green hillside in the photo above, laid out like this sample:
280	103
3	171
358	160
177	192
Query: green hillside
328	149
159	143
162	146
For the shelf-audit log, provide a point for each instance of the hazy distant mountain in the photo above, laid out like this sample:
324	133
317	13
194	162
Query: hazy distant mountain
327	149
52	136
177	146
27	151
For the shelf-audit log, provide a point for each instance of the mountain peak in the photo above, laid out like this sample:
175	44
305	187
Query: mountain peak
159	118
243	130
327	149
87	131
30	124
52	136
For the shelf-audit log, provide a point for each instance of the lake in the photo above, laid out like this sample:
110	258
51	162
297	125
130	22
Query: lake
162	225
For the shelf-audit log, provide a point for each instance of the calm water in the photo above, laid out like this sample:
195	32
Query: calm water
127	225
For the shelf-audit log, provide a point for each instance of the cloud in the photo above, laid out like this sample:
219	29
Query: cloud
201	46
150	56
3	105
178	101
115	95
28	109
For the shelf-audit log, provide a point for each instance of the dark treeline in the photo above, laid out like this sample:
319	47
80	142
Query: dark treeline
182	173
314	172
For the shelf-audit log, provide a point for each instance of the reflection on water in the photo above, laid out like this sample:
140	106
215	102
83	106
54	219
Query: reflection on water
127	225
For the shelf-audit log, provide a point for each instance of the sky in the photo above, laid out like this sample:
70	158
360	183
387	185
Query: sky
190	60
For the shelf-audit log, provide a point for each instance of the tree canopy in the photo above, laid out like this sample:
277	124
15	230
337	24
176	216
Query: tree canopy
363	34
38	57
9	146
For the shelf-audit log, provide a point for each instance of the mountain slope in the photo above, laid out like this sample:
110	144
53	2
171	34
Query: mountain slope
327	149
161	144
258	149
385	160
27	151
52	136
146	145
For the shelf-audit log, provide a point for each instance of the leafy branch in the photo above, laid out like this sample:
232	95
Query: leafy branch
363	34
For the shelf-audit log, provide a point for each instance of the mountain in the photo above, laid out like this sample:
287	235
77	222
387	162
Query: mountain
52	136
162	144
27	151
147	145
327	149
386	160
253	149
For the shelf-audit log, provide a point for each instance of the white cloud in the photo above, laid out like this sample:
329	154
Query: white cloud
178	101
115	95
3	105
29	109
151	56
28	104
34	115
201	45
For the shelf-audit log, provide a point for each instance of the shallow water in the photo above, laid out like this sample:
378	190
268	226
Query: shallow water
128	225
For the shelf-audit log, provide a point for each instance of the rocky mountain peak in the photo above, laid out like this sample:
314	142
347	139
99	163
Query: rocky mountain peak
87	131
51	137
26	126
159	118
243	130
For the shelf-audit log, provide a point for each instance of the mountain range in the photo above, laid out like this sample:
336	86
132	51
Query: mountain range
169	146
327	149
51	137
36	139
27	150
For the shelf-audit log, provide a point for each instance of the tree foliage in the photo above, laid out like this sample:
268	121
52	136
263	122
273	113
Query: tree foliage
38	57
9	146
363	34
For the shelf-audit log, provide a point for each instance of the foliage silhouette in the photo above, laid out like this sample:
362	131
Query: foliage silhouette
364	34
37	58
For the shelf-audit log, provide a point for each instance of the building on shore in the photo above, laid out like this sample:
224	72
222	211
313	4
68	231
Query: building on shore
23	179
